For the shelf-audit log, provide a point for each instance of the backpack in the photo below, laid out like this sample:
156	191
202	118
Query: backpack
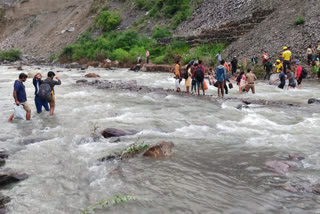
304	73
185	74
199	74
45	92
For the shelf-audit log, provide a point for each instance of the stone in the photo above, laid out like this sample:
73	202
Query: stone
162	149
8	176
111	132
19	68
3	201
314	101
71	29
82	81
92	75
84	67
75	65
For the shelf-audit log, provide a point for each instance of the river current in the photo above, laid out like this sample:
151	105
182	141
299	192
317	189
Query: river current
218	165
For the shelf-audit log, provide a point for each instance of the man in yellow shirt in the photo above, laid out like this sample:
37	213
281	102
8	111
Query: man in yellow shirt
287	56
278	66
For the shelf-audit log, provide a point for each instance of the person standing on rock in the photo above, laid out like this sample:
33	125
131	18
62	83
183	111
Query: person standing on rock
264	57
51	82
39	103
20	96
299	74
234	65
279	66
199	76
147	56
177	73
309	55
221	78
268	69
251	78
287	57
188	80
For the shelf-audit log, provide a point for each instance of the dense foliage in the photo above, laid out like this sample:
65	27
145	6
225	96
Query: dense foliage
161	32
107	21
299	20
10	55
128	45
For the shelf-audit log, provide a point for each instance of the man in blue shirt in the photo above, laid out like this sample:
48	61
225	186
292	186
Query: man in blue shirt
20	96
282	78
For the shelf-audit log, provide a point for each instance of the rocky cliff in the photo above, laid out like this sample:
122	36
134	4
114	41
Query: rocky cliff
40	27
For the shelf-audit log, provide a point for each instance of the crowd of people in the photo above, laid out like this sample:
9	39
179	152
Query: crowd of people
44	94
284	66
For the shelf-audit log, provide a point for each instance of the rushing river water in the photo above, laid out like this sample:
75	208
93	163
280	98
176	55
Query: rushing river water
218	165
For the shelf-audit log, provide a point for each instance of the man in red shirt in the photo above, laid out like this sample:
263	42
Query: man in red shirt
264	57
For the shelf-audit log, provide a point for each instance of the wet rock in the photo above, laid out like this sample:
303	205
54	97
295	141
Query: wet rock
3	201
82	81
75	65
8	176
135	68
157	68
314	101
19	68
295	157
84	67
92	75
3	154
316	189
111	132
158	150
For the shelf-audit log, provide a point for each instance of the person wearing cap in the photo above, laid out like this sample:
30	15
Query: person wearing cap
287	56
279	66
234	65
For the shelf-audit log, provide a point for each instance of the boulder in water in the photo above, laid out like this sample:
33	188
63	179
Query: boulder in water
3	201
111	132
82	81
92	75
314	101
8	176
19	68
158	150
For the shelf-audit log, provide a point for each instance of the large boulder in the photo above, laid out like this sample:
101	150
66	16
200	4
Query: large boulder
158	150
92	75
8	176
111	132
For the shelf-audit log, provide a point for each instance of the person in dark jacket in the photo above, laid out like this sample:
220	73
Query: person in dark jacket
37	81
234	64
52	83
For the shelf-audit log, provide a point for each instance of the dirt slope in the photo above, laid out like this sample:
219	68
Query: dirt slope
39	27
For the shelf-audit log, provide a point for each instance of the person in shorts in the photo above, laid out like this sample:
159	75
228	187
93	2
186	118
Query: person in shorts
20	96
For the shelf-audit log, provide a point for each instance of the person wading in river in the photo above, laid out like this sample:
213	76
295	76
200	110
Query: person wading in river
268	69
50	81
234	65
20	96
291	78
199	76
39	103
251	78
177	73
299	74
221	77
282	78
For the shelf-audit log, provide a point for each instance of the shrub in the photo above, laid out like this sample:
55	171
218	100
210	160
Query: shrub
159	60
143	4
10	55
53	57
84	37
299	20
161	32
120	55
107	21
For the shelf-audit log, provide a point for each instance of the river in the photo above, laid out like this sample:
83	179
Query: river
218	165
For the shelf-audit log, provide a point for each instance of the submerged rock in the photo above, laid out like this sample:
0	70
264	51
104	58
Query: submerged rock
281	167
92	75
314	101
3	201
8	176
158	150
82	81
111	132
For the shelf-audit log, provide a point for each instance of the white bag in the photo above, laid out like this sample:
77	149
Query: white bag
19	112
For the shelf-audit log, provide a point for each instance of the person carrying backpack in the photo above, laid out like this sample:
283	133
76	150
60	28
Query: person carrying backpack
44	88
221	77
199	77
39	103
